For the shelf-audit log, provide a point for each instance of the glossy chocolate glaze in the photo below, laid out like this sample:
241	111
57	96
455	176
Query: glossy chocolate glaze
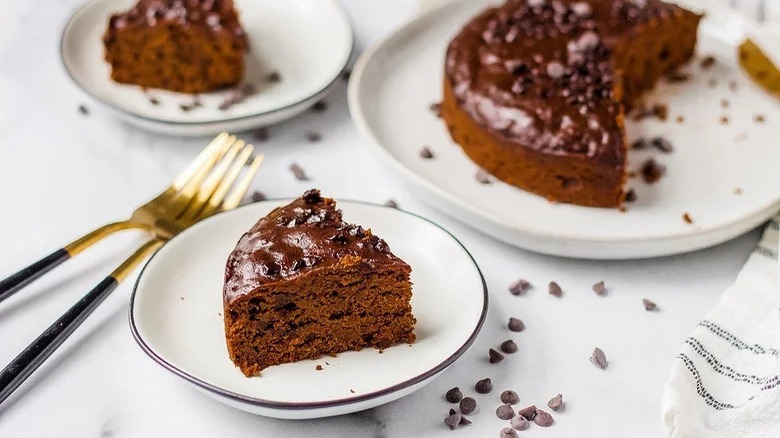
306	234
538	72
215	16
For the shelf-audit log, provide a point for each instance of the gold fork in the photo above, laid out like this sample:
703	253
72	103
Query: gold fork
201	190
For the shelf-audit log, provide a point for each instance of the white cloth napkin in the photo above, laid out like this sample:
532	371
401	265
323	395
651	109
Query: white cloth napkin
726	379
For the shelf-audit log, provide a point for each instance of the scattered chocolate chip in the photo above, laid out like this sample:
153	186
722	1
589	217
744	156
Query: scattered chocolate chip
519	287
483	386
258	196
724	120
543	418
509	346
154	101
518	422
273	77
426	153
630	196
494	356
454	395
452	421
707	62
483	177
346	74
528	412
712	83
733	85
507	432
649	305
661	111
516	325
319	107
680	119
436	109
261	134
505	412
298	172
556	402
676	77
640	144
313	136
599	288
391	203
598	358
467	405
555	290
652	171
662	144
352	391
687	218
463	420
83	110
759	118
186	107
509	397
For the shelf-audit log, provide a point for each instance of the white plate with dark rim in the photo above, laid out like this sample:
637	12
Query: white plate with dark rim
308	42
722	175
176	318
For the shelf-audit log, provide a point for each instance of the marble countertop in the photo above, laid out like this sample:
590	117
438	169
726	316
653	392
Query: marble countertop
63	173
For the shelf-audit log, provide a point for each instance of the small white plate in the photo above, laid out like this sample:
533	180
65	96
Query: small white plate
394	83
308	42
176	318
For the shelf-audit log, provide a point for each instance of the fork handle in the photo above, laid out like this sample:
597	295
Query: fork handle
25	276
16	372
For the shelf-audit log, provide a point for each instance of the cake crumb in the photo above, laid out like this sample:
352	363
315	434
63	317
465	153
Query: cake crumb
352	391
737	191
483	177
154	101
273	77
181	298
652	171
630	196
687	218
724	120
318	368
680	119
712	83
436	108
707	62
298	172
622	209
759	118
724	103
313	137
391	203
649	305
733	85
676	77
426	153
83	110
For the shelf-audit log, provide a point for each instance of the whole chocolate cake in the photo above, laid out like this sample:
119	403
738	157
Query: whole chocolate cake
190	46
535	90
303	283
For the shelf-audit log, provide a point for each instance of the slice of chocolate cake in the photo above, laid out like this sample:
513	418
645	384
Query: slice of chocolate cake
303	283
189	46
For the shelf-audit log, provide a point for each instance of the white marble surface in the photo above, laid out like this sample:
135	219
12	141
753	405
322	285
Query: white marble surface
62	173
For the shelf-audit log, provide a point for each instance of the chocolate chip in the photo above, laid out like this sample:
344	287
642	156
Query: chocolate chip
639	144
484	386
467	405
463	420
555	69
509	346
83	110
298	172
509	397
508	432
311	196
708	61
505	412
426	153
154	101
687	218
391	203
649	305
494	356
630	196
518	422
261	134
452	411
724	120
528	412
516	325
555	290
483	177
258	196
675	77
186	107
436	109
519	287
652	171
313	136
662	144
273	77
598	358
599	288
454	395
319	107
759	118
556	402
543	419
452	421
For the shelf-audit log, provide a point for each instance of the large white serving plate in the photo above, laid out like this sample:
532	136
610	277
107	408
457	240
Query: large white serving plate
176	318
723	175
308	42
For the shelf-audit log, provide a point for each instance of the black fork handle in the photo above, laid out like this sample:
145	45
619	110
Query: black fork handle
19	280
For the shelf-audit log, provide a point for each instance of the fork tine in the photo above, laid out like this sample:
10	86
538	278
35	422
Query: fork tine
219	194
211	183
235	197
201	159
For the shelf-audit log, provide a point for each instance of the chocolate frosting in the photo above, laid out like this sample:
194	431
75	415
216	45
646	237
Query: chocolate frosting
306	234
538	73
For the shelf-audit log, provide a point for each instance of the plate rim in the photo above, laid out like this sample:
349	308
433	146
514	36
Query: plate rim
87	90
360	119
298	406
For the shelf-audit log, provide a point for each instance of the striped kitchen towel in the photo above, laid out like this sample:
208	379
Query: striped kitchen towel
725	382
